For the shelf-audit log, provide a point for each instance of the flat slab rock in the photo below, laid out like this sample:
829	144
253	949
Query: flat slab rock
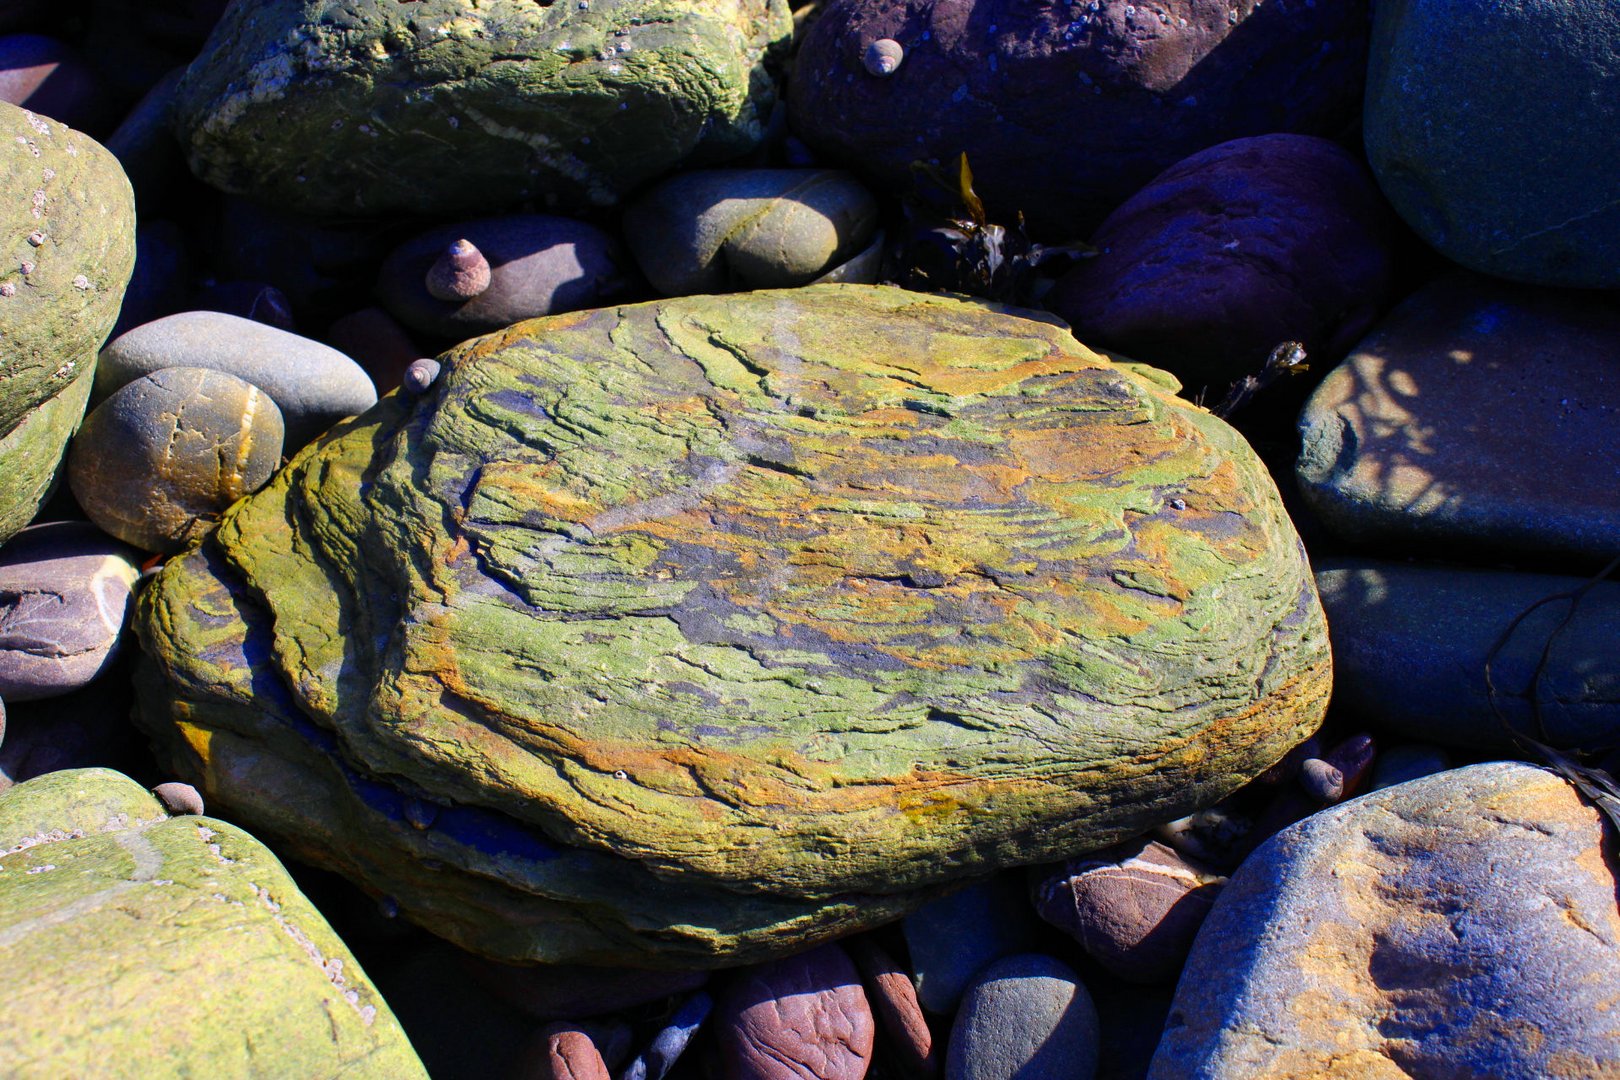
781	609
1463	924
137	944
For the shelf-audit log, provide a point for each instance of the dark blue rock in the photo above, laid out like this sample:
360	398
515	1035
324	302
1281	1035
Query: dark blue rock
655	1062
955	937
1026	1017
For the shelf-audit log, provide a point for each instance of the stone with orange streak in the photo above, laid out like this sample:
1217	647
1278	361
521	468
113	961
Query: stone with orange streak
700	631
1461	924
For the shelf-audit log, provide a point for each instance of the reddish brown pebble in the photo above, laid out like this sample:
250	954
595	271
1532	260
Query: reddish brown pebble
377	342
178	798
894	1000
461	273
419	376
801	1016
563	1052
1321	781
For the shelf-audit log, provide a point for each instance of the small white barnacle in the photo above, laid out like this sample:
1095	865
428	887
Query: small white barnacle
883	57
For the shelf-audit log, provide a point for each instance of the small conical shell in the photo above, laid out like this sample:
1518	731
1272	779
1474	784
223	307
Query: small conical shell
459	274
883	57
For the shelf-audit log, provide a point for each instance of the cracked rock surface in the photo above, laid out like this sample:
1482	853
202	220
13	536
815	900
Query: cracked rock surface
1463	924
145	945
701	630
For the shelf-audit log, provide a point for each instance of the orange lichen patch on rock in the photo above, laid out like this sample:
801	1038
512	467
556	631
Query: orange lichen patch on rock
799	595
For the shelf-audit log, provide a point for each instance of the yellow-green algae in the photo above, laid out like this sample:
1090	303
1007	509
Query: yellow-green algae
140	945
764	614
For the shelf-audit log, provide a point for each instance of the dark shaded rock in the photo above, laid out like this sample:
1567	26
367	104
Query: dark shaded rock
64	599
255	300
694	632
49	77
103	898
1493	129
724	230
1026	1017
906	1035
88	728
313	386
69	247
1134	909
574	991
160	284
1410	644
955	937
655	1062
1065	110
1408	761
804	1015
442	107
325	267
144	145
156	463
538	265
378	343
1229	253
1421	436
1460	925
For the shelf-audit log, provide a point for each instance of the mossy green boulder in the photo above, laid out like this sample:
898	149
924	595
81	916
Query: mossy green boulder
442	106
67	249
700	630
136	944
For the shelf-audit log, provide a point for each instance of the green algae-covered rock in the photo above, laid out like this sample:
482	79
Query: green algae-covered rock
139	945
67	248
699	630
437	106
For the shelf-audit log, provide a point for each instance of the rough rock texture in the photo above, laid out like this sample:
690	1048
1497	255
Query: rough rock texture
1477	418
148	946
64	599
730	623
1459	925
539	264
1494	127
439	106
1231	252
1066	109
802	1016
723	230
1410	644
156	463
313	386
905	1031
67	246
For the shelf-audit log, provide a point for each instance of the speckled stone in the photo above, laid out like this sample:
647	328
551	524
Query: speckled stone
1410	642
724	230
1026	1017
1459	925
804	1015
142	945
312	385
64	599
156	463
1477	418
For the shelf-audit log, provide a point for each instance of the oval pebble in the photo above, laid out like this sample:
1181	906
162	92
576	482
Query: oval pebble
1029	1017
804	1015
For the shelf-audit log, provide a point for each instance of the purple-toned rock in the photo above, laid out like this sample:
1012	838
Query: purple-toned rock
802	1016
536	265
159	284
1135	909
1064	109
1231	252
375	340
1026	1017
894	999
49	77
179	799
64	599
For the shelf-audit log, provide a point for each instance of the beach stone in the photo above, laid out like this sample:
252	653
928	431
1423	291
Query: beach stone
1134	909
906	1034
1469	104
637	614
144	145
804	1015
378	343
58	298
539	265
255	300
1419	438
312	385
356	108
1408	761
670	1043
1410	643
160	283
49	77
952	939
574	991
1231	252
325	267
1065	110
1459	925
571	1054
86	728
64	599
157	461
1027	1016
725	230
179	799
104	897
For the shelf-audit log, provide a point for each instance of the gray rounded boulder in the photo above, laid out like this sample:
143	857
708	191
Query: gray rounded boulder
439	106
